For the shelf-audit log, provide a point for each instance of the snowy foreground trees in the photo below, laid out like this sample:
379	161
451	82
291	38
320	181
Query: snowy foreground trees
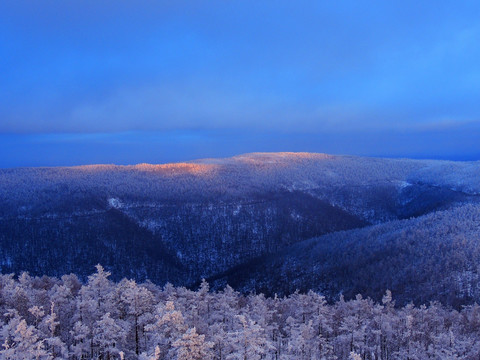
49	318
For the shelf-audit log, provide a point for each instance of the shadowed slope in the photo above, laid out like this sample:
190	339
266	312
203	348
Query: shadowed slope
184	221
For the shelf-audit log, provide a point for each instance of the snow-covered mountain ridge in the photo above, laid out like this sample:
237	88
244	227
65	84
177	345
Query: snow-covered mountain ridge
180	222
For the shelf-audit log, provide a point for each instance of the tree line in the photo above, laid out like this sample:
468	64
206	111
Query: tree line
52	318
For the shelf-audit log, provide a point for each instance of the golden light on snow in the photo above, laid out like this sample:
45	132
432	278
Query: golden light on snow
179	168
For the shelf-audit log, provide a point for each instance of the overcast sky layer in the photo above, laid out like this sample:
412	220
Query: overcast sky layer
156	81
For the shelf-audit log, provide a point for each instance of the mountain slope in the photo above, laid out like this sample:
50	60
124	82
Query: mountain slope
433	257
181	222
48	245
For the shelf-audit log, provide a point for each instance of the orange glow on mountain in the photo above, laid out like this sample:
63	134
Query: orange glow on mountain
179	168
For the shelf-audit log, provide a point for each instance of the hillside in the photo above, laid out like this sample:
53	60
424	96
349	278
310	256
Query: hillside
181	222
435	256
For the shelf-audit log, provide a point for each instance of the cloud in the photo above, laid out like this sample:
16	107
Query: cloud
200	106
193	106
88	66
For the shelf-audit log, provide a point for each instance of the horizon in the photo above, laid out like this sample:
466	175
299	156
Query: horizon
115	82
194	160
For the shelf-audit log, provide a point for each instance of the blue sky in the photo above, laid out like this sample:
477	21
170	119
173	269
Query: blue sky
157	81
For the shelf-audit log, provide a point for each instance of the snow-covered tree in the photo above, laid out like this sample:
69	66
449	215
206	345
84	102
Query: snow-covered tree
249	341
108	336
168	327
138	302
21	341
192	346
147	322
81	345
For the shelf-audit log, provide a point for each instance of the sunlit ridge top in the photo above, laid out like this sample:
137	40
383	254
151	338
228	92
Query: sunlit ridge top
209	164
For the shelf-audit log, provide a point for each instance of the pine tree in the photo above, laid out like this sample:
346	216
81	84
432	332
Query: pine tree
21	341
193	346
168	327
108	336
249	341
82	339
138	302
55	345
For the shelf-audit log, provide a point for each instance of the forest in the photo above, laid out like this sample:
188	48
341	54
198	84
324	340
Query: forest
259	256
61	318
265	222
431	257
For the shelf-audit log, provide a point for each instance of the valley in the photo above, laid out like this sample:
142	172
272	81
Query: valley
263	222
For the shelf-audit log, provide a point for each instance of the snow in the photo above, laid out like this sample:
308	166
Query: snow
115	203
64	319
